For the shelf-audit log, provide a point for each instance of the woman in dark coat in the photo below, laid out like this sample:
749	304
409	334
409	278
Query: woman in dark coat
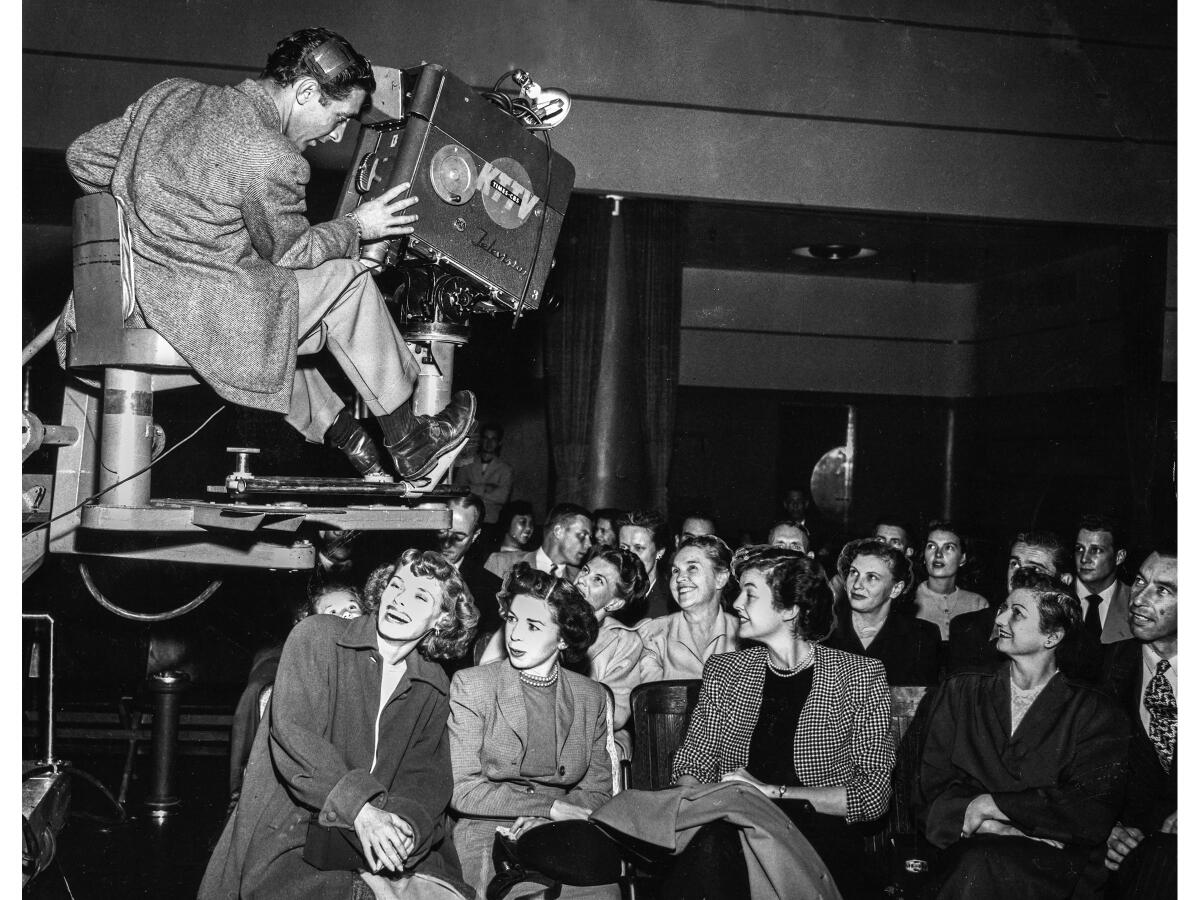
1023	769
357	742
877	577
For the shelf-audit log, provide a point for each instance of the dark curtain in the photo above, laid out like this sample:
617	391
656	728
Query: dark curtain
654	251
573	331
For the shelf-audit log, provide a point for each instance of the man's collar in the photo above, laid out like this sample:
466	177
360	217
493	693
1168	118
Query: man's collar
542	561
1151	657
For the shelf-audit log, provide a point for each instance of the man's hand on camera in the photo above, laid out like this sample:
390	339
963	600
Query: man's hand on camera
383	217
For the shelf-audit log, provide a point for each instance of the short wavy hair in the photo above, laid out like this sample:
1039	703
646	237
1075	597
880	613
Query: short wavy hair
631	574
441	643
650	519
323	55
577	625
897	562
1058	610
797	582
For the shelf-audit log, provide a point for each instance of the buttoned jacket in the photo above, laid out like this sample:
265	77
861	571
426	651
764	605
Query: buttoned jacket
215	200
843	737
488	735
667	648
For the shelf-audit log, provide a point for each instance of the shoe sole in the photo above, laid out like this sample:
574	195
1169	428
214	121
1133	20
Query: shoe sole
457	444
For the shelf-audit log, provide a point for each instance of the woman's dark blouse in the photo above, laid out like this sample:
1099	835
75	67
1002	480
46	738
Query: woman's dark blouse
771	744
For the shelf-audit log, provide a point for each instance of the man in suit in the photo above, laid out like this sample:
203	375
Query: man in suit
489	477
1104	598
466	519
230	272
566	540
971	645
1141	673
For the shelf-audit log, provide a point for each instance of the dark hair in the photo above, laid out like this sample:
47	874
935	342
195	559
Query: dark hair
631	574
698	514
511	510
650	519
470	501
1057	610
898	564
444	643
562	513
608	512
323	55
576	622
1100	522
1060	554
910	533
796	582
492	426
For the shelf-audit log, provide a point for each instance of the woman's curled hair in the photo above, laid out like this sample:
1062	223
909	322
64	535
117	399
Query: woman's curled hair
631	574
797	582
898	564
576	622
1057	609
448	641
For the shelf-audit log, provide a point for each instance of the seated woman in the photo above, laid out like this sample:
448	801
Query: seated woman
357	742
1022	771
679	644
869	623
806	725
645	532
608	581
939	597
516	523
530	740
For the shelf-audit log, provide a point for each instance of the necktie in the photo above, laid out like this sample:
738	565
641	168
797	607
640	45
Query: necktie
1160	703
1091	619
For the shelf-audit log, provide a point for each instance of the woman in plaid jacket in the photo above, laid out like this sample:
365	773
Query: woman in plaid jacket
806	725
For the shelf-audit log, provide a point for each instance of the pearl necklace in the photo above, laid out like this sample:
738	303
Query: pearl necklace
541	680
796	669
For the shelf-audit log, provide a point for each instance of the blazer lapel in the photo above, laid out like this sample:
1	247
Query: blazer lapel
511	703
1116	623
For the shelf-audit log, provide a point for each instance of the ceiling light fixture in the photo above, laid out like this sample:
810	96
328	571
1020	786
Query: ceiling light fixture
834	252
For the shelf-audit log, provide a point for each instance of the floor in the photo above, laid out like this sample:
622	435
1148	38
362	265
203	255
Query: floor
145	857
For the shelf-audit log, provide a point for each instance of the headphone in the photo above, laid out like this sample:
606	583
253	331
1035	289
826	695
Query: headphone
332	56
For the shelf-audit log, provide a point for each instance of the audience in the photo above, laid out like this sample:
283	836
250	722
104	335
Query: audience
529	739
790	535
466	521
939	597
1141	673
695	524
895	532
645	532
606	520
805	725
678	645
489	477
516	524
1022	769
566	541
375	764
869	623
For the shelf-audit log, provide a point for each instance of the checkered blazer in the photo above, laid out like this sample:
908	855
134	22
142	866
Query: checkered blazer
488	730
843	738
215	196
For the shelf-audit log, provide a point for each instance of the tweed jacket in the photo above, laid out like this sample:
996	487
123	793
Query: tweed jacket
843	737
1059	776
487	743
215	199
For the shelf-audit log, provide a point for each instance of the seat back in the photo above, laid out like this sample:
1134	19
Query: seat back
105	296
661	710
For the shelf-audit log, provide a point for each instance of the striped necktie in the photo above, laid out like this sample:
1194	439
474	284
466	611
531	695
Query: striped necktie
1160	703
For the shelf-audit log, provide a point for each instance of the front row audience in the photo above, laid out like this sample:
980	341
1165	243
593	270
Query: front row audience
378	778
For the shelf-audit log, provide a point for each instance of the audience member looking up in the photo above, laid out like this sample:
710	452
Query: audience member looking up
1099	551
516	525
528	737
645	532
606	520
1023	769
939	597
489	477
869	623
677	645
1142	675
821	746
376	762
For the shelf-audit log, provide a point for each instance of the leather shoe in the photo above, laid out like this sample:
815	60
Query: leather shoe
361	451
417	453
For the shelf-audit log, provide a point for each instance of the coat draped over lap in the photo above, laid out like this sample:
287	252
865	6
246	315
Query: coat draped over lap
214	196
1060	776
316	757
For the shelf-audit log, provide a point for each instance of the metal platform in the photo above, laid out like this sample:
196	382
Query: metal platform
245	484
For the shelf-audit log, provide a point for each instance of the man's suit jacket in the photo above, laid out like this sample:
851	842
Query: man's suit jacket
1116	623
488	733
1152	793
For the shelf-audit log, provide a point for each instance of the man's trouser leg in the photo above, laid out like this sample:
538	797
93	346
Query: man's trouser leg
343	308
